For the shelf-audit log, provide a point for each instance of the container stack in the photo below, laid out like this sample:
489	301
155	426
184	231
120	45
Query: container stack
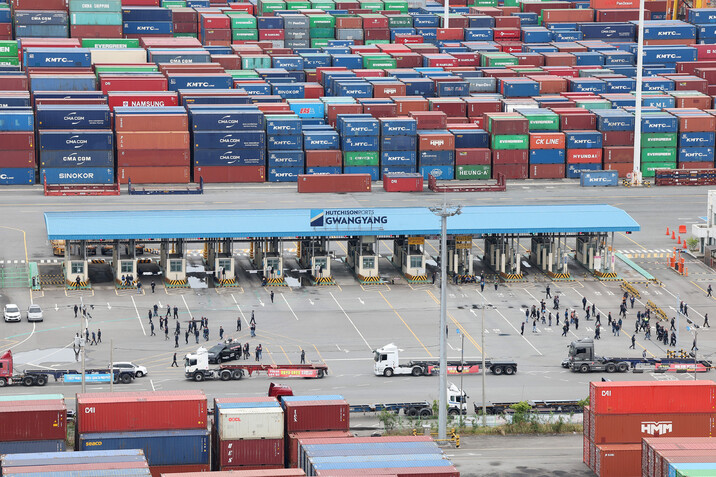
615	421
317	140
117	462
696	133
658	142
248	433
286	158
153	145
436	150
297	439
243	27
315	413
472	145
678	457
321	29
17	140
185	22
147	22
547	155
32	423
296	31
42	23
229	145
582	146
96	19
214	29
398	144
360	141
271	31
509	141
349	28
172	431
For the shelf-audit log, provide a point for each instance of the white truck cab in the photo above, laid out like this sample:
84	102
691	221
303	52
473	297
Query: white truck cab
387	363
196	361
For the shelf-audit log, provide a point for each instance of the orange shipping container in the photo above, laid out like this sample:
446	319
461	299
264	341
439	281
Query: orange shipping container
618	460
153	140
547	140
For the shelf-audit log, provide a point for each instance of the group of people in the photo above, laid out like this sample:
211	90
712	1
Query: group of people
127	280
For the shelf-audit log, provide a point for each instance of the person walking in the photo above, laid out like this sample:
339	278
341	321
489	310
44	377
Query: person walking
633	342
253	331
686	309
253	320
647	335
178	328
176	313
186	337
527	315
94	339
547	293
156	310
221	332
673	323
706	321
99	335
169	312
565	328
174	361
166	333
271	296
497	283
139	287
597	332
482	285
153	285
151	328
522	328
693	346
87	335
238	324
584	303
673	340
303	357
176	339
196	335
576	322
247	354
708	290
534	326
76	309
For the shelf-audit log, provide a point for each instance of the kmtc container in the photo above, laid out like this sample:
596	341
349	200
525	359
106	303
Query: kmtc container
599	178
627	397
125	411
57	57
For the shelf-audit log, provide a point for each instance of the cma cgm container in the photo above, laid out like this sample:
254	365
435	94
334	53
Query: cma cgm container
315	413
107	412
38	420
628	397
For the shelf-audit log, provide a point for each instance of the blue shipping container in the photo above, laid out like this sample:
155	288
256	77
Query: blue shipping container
75	139
179	57
599	178
285	142
83	158
229	140
284	174
72	458
17	176
226	119
696	154
436	158
358	126
398	127
320	140
33	17
398	143
249	156
396	170
177	82
64	83
574	171
467	139
17	120
443	173
42	31
160	447
146	14
148	28
89	116
283	125
374	171
286	158
57	57
398	158
355	143
73	175
323	170
547	156
697	139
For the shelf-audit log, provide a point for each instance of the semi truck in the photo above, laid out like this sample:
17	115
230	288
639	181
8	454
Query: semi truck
387	363
196	368
40	377
538	406
581	358
419	408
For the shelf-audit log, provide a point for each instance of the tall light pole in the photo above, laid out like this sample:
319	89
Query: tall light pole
443	212
636	169
484	371
82	344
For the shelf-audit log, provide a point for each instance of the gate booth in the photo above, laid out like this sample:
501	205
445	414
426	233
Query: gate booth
173	263
124	264
219	259
549	256
362	257
267	258
502	256
595	255
460	258
76	268
313	255
409	256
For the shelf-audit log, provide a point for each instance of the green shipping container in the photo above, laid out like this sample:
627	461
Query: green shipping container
372	6
377	42
651	140
95	6
482	3
321	21
659	154
298	5
498	59
400	21
648	169
186	35
472	172
542	122
399	6
270	7
320	42
593	104
9	61
243	74
110	43
358	158
510	141
709	470
8	48
126	68
243	22
173	4
321	33
323	4
250	63
96	18
376	62
245	35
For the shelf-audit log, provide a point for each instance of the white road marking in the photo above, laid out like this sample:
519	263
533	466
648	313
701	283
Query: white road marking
349	319
240	311
152	383
289	306
185	304
28	337
138	317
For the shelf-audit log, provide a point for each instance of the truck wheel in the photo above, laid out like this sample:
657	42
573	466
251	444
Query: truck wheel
584	368
427	412
126	379
321	373
497	370
237	374
417	371
41	380
3	382
623	367
27	381
510	370
225	375
453	412
198	377
610	368
116	379
412	412
388	372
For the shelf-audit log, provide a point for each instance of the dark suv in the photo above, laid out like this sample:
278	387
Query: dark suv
225	351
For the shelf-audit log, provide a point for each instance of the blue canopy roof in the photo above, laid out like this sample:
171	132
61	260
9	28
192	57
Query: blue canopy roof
188	224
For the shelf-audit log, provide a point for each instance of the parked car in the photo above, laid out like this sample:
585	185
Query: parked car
34	313
139	371
11	313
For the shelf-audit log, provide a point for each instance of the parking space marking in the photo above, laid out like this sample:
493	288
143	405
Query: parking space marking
351	321
511	325
187	307
457	324
285	354
289	306
406	324
239	307
269	353
139	318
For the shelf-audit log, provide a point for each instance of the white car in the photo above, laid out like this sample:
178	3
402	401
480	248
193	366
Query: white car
11	313
139	371
34	313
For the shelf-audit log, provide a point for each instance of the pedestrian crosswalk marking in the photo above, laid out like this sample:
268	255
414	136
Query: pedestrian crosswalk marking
651	253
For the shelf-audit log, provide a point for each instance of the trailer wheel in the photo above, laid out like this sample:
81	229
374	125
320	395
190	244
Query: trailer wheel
41	380
584	368
623	367
3	382
225	375
388	372
412	412
237	374
510	370
610	368
426	412
27	381
417	371
497	370
198	377
453	412
321	374
126	378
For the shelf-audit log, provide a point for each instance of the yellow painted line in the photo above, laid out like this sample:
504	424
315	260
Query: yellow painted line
476	245
712	297
340	244
319	353
432	246
269	353
631	240
406	325
285	354
456	323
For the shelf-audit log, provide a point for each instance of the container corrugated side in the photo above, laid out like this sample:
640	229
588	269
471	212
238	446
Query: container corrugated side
250	423
69	458
32	447
628	397
38	422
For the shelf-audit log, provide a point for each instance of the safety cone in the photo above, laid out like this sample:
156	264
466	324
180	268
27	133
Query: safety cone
684	244
673	236
679	241
667	230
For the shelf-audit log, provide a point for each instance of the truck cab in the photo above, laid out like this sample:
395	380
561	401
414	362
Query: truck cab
6	368
196	362
387	363
457	401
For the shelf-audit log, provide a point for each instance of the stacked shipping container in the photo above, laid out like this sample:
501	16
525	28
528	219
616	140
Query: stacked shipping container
678	457
124	463
17	140
34	423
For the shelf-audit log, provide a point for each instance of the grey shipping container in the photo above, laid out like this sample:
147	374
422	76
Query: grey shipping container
31	447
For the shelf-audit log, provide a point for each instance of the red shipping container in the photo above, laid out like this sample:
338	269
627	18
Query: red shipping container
153	140
141	3
547	171
584	156
142	99
453	33
507	21
323	415
618	154
250	452
306	438
429	119
229	62
153	157
239	174
402	182
511	171
16	141
39	5
271	34
690	66
507	34
140	411
376	34
407	60
614	4
628	397
617	138
96	31
631	428
25	159
215	35
697	123
407	104
14	82
623	168
158	470
153	82
154	175
209	21
696	165
151	122
620	15
388	89
25	421
568	15
585	449
349	22
547	140
169	42
510	156
333	110
436	141
325	183
324	158
618	460
585	420
473	157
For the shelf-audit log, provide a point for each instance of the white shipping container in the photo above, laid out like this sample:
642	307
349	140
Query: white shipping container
103	56
251	423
